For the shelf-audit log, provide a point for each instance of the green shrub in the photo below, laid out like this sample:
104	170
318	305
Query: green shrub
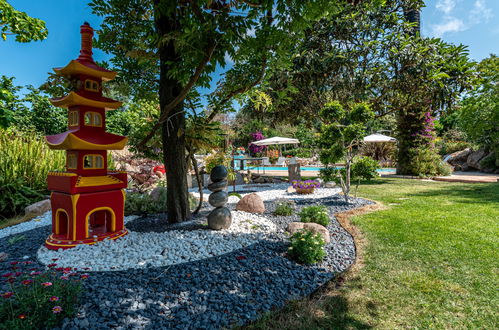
317	214
449	147
284	208
235	194
364	168
142	203
38	299
328	174
306	247
490	161
427	163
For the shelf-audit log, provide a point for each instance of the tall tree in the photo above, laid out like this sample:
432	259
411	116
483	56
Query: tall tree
20	24
174	46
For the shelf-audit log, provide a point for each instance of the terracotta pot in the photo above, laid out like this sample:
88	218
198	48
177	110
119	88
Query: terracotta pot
305	190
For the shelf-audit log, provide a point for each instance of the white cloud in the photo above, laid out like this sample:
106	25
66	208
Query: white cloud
445	6
480	12
450	24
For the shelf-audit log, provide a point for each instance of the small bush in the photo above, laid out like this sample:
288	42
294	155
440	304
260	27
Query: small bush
142	203
364	168
235	194
328	174
317	214
490	161
449	147
38	299
426	163
306	247
284	208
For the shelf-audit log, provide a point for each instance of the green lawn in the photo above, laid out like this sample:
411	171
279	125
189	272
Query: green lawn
431	261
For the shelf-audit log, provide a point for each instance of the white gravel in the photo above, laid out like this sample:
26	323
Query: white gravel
142	250
40	221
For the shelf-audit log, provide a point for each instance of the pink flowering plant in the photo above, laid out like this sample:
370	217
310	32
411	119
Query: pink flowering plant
34	298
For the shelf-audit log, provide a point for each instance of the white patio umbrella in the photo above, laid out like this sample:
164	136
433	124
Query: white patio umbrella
379	138
275	140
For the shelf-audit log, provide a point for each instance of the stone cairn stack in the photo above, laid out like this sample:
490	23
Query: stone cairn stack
220	217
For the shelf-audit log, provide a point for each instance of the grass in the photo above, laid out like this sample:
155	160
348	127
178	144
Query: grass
429	259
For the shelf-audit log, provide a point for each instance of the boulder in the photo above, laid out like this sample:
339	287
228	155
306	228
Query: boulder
475	157
38	208
217	186
219	218
218	173
156	193
458	157
218	199
291	190
330	184
251	203
294	227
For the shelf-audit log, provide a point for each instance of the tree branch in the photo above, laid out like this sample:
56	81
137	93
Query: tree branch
181	96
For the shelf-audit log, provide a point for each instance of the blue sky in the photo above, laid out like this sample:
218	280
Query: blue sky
471	22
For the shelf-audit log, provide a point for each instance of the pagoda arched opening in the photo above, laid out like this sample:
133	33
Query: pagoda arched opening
62	224
100	221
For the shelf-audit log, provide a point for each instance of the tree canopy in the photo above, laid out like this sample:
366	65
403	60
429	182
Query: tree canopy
19	24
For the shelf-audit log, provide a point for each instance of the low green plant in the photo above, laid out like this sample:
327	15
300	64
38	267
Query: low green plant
37	298
306	247
316	213
15	239
449	147
364	168
138	203
284	208
235	194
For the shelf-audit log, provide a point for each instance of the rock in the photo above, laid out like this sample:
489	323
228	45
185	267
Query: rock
3	256
218	173
458	157
218	199
488	163
157	192
475	157
251	203
219	218
217	186
330	184
294	227
291	190
38	208
259	179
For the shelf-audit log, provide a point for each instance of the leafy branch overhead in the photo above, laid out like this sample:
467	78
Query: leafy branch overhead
19	24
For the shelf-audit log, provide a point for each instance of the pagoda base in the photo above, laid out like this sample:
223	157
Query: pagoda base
55	243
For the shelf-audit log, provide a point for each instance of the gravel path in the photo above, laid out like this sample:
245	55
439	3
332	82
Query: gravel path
211	293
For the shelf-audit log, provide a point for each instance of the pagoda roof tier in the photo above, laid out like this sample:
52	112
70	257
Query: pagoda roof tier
74	98
86	140
89	68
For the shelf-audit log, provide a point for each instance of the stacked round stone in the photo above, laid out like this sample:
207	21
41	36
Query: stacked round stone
220	217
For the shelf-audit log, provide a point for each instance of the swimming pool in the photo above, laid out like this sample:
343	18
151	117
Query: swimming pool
303	168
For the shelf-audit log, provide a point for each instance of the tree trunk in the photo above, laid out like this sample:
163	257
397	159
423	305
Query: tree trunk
173	129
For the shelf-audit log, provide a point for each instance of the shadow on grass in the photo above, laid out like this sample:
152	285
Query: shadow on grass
464	193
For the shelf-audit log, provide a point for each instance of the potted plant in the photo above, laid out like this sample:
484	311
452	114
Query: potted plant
305	187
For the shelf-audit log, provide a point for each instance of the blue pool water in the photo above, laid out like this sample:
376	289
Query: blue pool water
303	168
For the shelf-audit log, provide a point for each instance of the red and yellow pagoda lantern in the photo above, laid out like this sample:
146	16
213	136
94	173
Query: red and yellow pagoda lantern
87	200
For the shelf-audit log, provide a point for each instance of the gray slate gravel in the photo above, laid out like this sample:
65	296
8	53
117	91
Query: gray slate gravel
214	293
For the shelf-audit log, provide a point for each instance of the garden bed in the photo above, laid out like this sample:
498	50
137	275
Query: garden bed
233	287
